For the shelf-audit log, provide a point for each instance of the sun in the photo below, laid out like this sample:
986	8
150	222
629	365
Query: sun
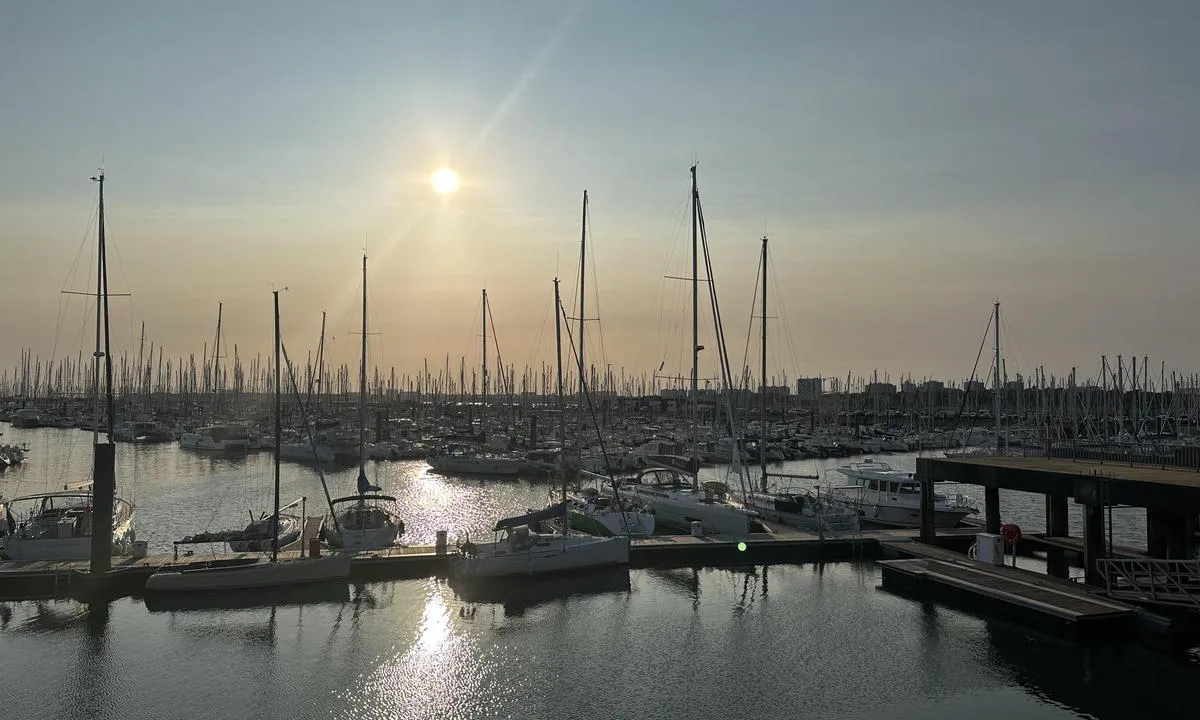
445	181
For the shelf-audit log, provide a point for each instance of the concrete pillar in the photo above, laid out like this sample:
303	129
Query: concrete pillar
1156	533
991	510
1170	535
1093	541
928	527
1056	526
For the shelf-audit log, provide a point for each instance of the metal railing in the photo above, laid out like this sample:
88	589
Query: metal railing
1164	582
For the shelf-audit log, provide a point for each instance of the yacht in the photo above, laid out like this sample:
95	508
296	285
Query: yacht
464	461
143	431
218	438
366	521
891	497
258	535
670	495
58	526
803	509
26	418
519	550
598	514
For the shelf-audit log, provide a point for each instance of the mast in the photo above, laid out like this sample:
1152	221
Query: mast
362	390
695	317
582	315
216	368
562	432
762	431
278	433
996	371
483	403
104	469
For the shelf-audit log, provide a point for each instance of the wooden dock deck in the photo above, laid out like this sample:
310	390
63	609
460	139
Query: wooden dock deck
1055	605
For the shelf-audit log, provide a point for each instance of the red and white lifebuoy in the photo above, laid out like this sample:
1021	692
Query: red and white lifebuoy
1011	533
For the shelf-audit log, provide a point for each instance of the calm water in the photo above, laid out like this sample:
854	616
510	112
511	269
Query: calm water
755	642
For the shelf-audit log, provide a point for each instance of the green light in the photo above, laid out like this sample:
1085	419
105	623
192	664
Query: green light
741	547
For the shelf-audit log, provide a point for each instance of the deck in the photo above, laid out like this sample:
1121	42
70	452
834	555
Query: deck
1048	603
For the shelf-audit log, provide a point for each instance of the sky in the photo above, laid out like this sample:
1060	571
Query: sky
910	162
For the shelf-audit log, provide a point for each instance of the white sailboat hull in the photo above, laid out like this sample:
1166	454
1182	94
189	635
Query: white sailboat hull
263	574
627	522
19	547
679	509
551	554
366	539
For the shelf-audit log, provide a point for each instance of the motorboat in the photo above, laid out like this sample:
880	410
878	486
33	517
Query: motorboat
217	438
890	497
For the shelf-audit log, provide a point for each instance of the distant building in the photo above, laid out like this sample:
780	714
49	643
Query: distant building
933	386
974	386
808	390
908	386
881	388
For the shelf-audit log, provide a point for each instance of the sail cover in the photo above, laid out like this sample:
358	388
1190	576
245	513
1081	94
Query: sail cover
554	511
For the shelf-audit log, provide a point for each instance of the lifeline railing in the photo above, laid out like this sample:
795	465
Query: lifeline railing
1165	582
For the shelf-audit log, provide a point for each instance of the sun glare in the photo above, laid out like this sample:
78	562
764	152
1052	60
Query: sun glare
445	181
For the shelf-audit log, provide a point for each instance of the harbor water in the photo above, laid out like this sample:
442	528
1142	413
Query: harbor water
758	641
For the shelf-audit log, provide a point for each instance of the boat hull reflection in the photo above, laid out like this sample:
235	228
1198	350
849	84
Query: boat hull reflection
336	592
522	593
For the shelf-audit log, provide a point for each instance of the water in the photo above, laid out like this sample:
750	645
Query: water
754	642
759	642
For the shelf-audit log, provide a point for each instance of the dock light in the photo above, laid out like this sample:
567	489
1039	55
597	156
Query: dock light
741	547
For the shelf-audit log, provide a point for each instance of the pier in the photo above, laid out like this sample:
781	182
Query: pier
1170	496
46	580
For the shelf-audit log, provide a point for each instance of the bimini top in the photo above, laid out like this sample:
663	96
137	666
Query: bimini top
554	511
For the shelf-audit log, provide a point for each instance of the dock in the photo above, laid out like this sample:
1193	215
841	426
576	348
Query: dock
44	580
1049	604
1171	497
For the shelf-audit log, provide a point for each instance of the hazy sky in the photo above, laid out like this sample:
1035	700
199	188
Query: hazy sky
911	161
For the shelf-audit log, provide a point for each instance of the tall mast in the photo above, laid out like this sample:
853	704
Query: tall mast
483	404
104	473
996	374
582	315
362	389
762	430
216	368
562	433
97	354
278	433
695	316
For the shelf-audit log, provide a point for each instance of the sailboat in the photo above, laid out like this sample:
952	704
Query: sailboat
69	524
596	510
797	507
519	549
250	573
364	522
677	498
462	460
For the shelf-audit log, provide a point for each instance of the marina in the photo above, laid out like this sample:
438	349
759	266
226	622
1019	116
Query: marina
678	361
